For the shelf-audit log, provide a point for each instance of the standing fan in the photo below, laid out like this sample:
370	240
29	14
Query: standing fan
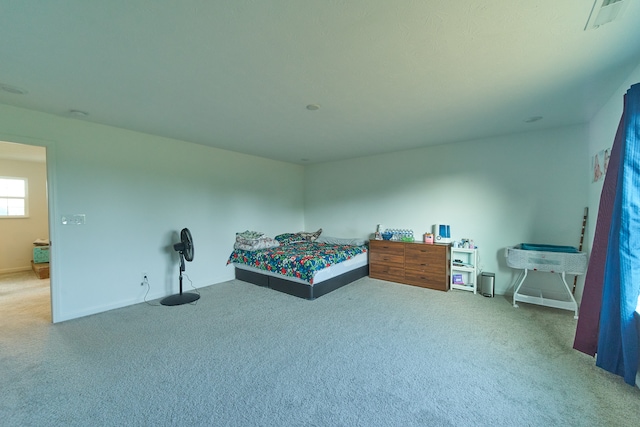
185	248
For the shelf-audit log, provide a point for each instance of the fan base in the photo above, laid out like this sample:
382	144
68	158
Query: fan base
180	299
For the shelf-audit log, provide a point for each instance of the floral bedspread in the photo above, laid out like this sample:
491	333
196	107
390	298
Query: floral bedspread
300	260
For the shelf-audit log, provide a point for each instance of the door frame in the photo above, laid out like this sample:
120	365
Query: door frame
51	189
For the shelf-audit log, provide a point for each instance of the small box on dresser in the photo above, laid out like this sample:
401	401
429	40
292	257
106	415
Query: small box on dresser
411	263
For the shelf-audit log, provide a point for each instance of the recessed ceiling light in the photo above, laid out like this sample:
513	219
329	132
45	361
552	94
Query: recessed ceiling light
313	107
13	89
533	119
78	113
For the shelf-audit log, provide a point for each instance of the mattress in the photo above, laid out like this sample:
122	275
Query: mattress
327	273
547	248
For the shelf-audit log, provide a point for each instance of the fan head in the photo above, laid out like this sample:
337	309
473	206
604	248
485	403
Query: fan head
185	247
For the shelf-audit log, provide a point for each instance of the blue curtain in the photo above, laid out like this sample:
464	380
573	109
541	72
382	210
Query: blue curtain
617	350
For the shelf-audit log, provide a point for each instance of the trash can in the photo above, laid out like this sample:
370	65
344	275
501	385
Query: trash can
487	284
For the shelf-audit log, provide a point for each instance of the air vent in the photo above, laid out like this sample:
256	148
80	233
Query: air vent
605	11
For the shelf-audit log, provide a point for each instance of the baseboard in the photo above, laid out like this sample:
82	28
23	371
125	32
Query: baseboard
14	270
83	312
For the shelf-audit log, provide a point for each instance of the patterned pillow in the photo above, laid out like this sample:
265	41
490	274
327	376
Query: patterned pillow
310	237
289	238
341	241
255	244
302	236
250	235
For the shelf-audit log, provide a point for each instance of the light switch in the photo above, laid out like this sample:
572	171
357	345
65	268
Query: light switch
73	219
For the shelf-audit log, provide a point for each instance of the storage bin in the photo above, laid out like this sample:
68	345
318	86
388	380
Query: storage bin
40	254
41	269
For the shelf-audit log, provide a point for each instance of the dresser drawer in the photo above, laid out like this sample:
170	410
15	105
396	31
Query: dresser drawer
418	250
386	247
425	263
384	252
385	258
426	279
386	272
432	270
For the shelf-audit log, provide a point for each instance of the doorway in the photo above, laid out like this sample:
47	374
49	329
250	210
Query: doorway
25	286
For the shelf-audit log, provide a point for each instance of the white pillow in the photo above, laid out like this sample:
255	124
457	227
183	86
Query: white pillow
341	241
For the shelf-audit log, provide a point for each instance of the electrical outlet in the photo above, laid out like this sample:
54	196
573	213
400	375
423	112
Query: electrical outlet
144	277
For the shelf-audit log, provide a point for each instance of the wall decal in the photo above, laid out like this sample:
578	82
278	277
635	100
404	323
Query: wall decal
599	164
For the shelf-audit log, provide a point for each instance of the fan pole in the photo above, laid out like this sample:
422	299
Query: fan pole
181	298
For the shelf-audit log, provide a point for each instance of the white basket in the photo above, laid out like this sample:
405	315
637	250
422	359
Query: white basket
550	262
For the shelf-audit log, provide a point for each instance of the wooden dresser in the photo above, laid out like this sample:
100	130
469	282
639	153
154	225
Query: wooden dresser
415	263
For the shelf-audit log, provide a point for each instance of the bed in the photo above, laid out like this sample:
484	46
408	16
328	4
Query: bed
302	267
562	260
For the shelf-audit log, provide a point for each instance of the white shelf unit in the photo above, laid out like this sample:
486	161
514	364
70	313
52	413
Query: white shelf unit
464	263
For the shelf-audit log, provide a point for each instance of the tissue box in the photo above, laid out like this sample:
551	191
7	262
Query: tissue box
40	254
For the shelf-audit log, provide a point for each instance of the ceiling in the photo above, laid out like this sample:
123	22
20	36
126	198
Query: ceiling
385	75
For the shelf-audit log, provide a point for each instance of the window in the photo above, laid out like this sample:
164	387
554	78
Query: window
13	197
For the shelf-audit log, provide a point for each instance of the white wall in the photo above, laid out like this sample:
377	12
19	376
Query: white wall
601	133
499	192
18	234
137	191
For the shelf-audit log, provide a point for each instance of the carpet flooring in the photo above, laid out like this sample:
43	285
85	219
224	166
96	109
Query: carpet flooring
372	353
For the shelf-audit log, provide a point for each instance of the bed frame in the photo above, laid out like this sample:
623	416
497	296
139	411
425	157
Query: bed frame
302	290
